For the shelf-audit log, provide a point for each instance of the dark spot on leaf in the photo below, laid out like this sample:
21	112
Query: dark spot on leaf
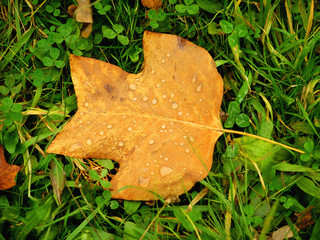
108	88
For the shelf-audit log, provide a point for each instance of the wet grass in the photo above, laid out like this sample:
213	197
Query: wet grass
268	54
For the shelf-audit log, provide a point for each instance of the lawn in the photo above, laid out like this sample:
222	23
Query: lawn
265	178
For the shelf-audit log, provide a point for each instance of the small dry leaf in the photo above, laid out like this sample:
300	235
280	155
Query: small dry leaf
7	172
158	124
282	233
154	4
83	13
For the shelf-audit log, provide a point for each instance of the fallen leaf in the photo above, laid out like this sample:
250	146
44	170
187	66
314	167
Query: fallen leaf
154	4
7	172
282	233
83	13
158	124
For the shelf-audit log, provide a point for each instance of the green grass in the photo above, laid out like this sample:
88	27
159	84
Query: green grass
268	53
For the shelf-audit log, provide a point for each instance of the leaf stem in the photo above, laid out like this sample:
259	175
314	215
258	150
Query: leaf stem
259	137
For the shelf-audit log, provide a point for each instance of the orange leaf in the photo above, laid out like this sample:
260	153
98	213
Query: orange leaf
154	4
7	172
158	124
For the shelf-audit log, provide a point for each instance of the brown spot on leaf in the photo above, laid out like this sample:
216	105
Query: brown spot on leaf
108	88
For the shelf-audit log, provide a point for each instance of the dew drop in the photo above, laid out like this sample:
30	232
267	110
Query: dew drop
165	171
164	96
129	129
147	164
152	173
200	100
168	55
153	72
179	113
133	87
158	85
154	101
80	121
163	80
134	99
187	150
101	133
89	141
144	181
199	87
172	95
174	105
145	98
137	79
181	144
74	147
191	138
155	161
103	124
151	141
170	130
124	117
86	104
194	78
82	113
163	126
109	126
120	144
163	60
166	159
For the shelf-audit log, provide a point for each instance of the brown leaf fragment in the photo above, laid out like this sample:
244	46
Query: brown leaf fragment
305	218
83	14
154	4
157	124
71	9
7	172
